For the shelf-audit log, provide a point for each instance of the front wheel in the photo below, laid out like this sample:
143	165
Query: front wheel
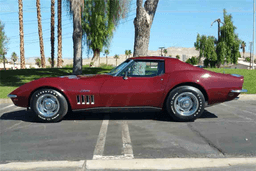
185	103
49	105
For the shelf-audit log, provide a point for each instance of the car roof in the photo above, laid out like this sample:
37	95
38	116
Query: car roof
154	58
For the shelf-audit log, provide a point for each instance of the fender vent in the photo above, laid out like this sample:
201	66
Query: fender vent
85	99
78	99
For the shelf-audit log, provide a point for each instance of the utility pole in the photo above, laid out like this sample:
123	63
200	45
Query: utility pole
251	55
219	21
161	50
253	34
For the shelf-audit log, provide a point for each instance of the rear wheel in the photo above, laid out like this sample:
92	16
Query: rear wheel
49	105
185	103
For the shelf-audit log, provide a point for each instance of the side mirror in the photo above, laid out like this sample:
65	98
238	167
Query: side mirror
125	75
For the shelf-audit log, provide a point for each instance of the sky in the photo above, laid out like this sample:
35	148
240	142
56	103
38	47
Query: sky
176	24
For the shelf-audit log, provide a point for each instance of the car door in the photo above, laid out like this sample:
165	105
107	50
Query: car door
144	87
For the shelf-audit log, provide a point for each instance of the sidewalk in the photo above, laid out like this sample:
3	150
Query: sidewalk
135	164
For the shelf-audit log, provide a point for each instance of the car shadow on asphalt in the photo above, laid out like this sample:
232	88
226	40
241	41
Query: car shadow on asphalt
138	114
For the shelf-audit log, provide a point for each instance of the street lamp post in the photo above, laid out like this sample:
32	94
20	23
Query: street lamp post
253	34
161	50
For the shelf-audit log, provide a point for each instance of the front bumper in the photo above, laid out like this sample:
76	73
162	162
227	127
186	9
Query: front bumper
12	96
239	91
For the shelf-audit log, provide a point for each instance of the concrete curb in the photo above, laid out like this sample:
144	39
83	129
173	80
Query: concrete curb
241	97
5	101
133	164
45	165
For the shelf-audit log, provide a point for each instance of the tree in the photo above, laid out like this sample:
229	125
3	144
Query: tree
106	53
3	40
3	44
126	53
178	56
116	57
231	43
210	51
50	61
99	20
59	60
243	45
165	52
22	57
40	33
200	45
76	7
38	62
129	53
14	57
52	31
142	23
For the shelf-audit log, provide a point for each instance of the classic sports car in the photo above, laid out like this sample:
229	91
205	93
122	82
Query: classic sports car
182	90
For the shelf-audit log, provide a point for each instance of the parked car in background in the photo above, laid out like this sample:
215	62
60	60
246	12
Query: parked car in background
165	83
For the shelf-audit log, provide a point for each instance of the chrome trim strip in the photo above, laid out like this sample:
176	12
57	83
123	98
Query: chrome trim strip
239	91
12	96
141	107
236	75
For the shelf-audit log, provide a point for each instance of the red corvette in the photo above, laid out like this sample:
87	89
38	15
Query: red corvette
179	88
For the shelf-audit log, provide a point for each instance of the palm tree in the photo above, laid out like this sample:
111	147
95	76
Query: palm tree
116	57
40	33
59	60
243	44
129	53
165	52
76	7
126	53
22	58
107	53
52	31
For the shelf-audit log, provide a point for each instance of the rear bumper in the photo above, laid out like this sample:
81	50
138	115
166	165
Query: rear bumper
239	91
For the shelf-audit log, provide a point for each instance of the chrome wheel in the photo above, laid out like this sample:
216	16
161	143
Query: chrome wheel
186	104
47	105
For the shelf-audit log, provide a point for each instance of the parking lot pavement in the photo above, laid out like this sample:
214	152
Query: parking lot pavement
224	131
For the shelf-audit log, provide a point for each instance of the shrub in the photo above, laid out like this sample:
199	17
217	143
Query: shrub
69	66
192	61
247	59
177	56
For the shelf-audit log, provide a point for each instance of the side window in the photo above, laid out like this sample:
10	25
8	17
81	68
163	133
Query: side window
146	69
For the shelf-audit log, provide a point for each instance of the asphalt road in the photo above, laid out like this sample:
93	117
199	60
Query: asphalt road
224	131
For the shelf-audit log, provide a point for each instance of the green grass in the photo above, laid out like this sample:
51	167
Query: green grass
11	79
249	77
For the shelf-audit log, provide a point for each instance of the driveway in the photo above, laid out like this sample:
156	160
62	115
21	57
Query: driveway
225	130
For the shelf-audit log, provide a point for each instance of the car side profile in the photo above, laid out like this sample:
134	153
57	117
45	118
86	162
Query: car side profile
182	90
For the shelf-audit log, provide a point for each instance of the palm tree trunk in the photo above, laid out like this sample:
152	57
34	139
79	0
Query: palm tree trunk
52	32
142	23
96	55
59	60
40	33
22	58
77	36
106	59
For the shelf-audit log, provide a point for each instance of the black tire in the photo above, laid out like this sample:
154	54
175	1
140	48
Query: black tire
185	103
48	105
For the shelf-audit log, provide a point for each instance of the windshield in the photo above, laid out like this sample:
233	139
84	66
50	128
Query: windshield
119	68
